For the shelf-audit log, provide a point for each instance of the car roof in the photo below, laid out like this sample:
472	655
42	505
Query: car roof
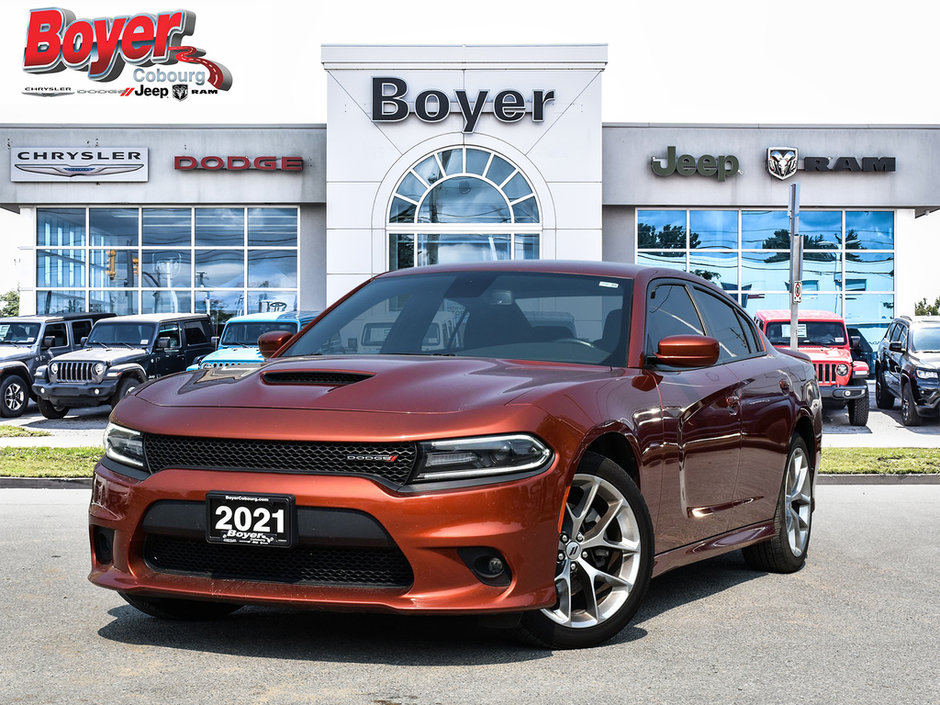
158	317
805	314
919	320
39	318
274	316
553	266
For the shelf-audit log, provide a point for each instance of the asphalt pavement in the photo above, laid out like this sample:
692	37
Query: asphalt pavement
858	625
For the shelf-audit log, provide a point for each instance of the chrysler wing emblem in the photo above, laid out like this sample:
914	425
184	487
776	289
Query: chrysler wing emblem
782	161
71	171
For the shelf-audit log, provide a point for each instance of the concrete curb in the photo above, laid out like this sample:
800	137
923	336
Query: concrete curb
77	483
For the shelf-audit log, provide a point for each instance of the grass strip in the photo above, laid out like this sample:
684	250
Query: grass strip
79	462
48	462
11	431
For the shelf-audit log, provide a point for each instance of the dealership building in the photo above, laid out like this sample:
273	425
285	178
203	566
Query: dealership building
463	153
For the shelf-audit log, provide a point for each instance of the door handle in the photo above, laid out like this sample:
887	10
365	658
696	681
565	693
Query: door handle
732	401
785	385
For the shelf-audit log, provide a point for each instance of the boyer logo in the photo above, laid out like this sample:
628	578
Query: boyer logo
55	40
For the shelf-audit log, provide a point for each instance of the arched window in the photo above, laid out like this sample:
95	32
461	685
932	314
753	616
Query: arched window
462	204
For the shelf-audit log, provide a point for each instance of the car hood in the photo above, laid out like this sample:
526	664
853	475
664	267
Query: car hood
379	383
15	352
822	353
97	354
233	355
926	358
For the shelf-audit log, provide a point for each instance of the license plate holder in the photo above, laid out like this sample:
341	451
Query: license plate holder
250	519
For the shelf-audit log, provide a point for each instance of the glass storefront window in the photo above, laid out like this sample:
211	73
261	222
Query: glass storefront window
220	268
60	301
112	268
869	271
272	227
756	301
165	301
720	268
60	227
269	301
464	188
665	258
869	308
869	230
713	229
60	268
220	227
112	227
272	268
765	230
167	227
658	229
220	305
821	230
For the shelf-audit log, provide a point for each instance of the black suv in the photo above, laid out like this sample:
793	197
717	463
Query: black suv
119	354
908	367
26	342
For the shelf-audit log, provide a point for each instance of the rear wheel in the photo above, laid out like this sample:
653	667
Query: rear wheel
883	398
13	396
50	410
786	551
858	410
183	610
604	560
909	415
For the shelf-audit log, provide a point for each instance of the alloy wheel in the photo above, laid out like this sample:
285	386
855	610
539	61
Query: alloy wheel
599	554
14	397
799	501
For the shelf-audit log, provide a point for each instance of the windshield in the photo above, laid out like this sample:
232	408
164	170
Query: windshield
521	316
809	333
133	334
248	333
925	339
18	333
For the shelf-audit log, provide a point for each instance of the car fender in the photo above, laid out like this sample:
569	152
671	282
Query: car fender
130	369
16	367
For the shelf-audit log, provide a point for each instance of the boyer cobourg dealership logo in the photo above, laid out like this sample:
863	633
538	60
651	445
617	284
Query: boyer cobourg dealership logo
102	47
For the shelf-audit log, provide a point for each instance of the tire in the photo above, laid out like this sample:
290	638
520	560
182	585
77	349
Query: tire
181	610
50	410
909	415
124	386
786	551
858	410
14	396
602	578
883	398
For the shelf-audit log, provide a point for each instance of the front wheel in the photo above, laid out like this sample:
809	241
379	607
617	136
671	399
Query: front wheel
785	552
909	415
182	610
604	561
858	410
50	410
124	388
13	396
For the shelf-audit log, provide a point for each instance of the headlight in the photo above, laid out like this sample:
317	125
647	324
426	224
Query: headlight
100	367
842	369
467	458
54	368
124	445
927	374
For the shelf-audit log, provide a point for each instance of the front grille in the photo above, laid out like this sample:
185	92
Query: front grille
333	379
301	564
392	462
229	364
75	372
825	372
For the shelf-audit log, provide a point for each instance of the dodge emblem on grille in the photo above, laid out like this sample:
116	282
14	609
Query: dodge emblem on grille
372	458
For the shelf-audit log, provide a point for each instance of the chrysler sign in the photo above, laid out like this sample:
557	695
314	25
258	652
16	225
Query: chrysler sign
78	164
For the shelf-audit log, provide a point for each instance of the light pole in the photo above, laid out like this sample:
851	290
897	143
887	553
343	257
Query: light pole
796	264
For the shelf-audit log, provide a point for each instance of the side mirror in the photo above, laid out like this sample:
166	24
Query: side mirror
163	343
83	340
48	341
896	346
272	341
856	341
215	342
687	351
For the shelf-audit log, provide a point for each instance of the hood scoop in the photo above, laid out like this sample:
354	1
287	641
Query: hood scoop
323	378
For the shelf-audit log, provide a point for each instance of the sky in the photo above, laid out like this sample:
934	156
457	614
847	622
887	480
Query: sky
741	62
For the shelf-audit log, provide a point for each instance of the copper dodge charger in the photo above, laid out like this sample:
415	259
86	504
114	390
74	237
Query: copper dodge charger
531	440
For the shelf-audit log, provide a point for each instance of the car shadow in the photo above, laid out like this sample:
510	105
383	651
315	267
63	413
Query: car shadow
307	635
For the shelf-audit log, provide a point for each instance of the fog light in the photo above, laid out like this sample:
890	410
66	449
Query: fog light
487	565
104	543
495	566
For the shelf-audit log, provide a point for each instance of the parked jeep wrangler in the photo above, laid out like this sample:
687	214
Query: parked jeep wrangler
822	336
26	342
120	354
239	342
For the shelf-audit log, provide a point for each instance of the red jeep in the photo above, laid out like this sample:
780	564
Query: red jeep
823	337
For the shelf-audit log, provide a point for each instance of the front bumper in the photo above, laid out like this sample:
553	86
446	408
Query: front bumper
431	529
75	395
927	398
847	392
